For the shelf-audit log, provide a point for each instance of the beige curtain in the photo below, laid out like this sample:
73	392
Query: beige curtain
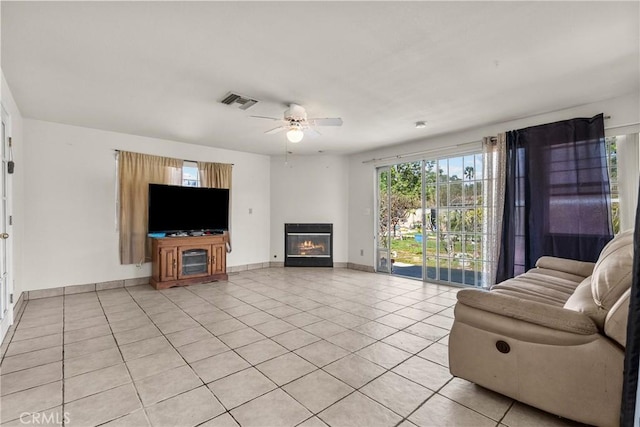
215	175
493	174
135	173
218	175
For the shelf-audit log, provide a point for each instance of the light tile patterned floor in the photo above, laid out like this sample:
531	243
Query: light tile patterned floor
271	347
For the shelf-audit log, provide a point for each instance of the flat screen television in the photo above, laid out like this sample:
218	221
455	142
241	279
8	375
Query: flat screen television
173	208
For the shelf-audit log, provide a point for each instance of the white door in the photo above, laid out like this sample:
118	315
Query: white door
6	305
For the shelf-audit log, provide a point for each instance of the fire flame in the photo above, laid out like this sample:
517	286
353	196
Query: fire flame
308	244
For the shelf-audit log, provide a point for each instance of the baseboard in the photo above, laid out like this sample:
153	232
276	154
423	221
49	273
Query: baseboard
246	267
18	307
335	264
115	284
360	267
87	287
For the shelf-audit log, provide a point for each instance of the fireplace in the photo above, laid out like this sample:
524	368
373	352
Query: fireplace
308	245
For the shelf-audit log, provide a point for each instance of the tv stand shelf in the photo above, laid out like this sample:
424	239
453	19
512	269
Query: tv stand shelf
182	261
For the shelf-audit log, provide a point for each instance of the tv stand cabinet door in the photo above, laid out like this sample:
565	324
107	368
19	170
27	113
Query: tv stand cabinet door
168	263
218	259
188	269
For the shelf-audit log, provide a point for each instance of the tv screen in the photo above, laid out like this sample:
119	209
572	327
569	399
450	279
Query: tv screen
173	208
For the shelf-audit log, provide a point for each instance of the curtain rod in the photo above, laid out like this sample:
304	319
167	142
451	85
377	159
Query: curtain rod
184	160
623	125
419	153
493	139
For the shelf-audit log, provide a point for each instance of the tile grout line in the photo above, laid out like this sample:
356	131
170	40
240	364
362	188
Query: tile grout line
354	353
35	386
513	402
378	340
123	362
422	404
180	354
281	387
413	354
251	365
386	370
344	296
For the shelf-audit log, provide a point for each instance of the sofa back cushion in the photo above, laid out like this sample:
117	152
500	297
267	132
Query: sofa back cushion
582	301
615	326
612	273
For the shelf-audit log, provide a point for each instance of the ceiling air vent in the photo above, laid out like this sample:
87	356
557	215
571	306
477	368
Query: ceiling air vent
242	101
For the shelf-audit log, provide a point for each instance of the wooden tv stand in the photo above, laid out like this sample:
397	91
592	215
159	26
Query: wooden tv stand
182	261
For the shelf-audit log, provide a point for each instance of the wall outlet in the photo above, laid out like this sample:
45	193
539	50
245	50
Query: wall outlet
361	252
250	211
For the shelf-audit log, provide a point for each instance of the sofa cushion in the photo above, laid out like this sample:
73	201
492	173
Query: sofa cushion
542	314
582	301
615	325
612	273
570	266
542	285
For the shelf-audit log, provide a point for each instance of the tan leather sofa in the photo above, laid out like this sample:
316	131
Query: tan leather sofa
553	337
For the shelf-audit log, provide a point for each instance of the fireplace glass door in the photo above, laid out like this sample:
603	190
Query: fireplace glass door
304	245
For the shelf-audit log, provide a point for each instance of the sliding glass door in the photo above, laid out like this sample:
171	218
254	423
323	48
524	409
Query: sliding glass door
430	219
399	236
455	203
383	225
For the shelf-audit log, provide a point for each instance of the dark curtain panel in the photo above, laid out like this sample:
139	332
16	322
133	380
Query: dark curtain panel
557	199
632	350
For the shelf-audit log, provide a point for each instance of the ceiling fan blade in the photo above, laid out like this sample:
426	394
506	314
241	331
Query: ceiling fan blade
336	121
312	133
276	130
265	117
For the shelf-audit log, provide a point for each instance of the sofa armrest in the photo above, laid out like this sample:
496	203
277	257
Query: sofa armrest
529	311
571	266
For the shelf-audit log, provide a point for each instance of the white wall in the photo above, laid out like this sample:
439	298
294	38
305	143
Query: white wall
310	189
16	184
65	210
69	203
624	112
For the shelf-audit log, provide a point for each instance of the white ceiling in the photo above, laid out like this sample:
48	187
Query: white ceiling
159	69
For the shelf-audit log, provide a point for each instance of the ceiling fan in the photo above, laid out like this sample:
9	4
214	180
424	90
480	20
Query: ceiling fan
297	124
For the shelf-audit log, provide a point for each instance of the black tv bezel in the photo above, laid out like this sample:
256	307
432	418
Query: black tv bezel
210	230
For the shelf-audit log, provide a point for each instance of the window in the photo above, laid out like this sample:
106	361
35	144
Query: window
612	167
190	175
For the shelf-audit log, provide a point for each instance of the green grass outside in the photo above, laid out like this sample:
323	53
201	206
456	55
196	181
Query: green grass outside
409	251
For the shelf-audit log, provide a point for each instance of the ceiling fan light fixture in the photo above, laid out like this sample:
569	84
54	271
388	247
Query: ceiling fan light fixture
295	134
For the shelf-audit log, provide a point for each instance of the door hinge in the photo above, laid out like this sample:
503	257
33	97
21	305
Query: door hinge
10	219
9	139
11	299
